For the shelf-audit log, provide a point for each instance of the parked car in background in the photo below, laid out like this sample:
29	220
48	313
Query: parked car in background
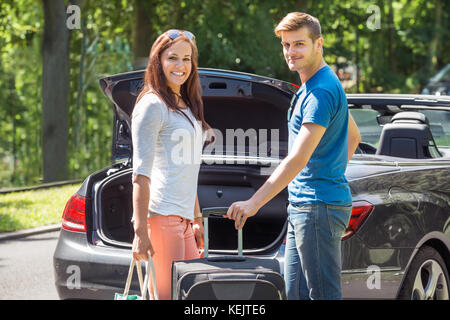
440	83
397	244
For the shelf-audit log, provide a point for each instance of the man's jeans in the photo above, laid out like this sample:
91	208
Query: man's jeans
313	251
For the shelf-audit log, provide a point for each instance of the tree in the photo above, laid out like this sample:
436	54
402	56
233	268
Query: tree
143	33
55	85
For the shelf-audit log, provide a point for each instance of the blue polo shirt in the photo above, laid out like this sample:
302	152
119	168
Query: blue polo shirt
322	100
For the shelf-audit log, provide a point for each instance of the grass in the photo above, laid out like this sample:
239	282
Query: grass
29	209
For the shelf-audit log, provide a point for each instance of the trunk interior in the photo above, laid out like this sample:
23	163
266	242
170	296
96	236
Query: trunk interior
256	106
219	186
262	117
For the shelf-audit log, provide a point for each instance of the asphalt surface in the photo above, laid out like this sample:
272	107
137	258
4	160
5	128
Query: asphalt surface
26	265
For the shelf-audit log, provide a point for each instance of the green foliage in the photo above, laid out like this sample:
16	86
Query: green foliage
20	84
411	44
29	209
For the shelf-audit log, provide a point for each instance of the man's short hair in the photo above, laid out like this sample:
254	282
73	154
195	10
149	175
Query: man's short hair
296	20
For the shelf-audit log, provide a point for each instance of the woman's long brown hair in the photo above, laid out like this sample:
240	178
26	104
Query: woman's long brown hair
155	80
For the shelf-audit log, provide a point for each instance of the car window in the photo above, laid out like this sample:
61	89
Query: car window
368	126
439	125
370	129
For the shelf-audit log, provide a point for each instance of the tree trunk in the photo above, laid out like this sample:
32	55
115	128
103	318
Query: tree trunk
12	99
432	48
391	39
143	33
302	6
55	85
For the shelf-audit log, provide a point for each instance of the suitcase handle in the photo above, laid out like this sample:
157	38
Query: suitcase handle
214	211
220	212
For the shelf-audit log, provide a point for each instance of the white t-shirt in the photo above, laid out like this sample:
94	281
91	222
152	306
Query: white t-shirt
167	149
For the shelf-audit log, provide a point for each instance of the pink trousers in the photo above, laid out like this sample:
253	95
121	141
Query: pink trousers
172	239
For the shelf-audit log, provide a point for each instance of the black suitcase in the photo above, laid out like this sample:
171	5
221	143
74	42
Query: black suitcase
228	277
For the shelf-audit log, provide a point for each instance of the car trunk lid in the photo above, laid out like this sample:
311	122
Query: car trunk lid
233	101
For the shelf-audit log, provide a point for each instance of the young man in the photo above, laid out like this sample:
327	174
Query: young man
322	138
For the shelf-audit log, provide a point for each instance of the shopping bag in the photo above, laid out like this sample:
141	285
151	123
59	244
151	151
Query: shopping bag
143	284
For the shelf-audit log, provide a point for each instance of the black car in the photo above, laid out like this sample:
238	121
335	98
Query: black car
397	244
439	84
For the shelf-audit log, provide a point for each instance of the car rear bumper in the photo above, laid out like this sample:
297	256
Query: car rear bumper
85	271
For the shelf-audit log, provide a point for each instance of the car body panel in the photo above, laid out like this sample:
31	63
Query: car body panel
90	271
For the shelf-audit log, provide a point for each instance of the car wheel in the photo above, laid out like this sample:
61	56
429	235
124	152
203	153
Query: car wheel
427	278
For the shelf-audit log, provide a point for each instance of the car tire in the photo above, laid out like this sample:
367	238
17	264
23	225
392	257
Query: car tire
427	277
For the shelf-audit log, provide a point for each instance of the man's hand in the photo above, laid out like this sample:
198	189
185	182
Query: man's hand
240	211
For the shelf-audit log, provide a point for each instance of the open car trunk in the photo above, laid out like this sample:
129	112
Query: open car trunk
237	170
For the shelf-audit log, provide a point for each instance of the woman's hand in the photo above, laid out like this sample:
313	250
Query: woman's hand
199	232
142	245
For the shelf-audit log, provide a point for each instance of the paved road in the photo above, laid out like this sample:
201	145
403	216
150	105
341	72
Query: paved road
26	268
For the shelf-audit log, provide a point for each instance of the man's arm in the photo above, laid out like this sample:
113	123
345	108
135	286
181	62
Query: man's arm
354	138
304	145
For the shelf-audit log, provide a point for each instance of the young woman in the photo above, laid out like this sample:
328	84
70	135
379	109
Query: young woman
168	127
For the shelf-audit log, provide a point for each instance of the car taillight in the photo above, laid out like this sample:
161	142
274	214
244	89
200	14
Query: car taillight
360	211
74	216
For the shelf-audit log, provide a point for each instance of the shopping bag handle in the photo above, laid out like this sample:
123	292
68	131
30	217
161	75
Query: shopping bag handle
143	284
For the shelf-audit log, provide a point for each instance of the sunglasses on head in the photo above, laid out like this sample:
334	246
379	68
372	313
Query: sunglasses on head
174	33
